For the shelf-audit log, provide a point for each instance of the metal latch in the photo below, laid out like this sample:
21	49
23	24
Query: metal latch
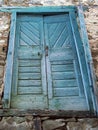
46	51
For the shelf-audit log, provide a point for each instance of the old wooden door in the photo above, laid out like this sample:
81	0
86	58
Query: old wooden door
65	87
46	71
29	79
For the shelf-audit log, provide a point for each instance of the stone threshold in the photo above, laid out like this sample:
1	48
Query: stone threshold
49	113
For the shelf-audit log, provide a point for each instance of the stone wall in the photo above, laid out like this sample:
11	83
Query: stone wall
28	122
46	2
4	31
91	18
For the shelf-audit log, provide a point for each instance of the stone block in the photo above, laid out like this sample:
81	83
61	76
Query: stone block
10	123
70	120
18	1
23	126
2	62
19	120
1	2
1	71
1	81
89	124
44	118
53	124
94	128
29	118
75	126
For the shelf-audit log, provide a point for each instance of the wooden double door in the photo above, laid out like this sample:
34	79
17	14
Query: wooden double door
46	70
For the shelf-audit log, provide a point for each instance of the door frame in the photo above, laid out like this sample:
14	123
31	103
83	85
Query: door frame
51	10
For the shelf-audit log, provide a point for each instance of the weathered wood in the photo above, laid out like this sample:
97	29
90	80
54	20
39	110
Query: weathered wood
67	62
24	83
61	68
29	90
43	113
47	9
29	69
84	33
64	83
68	103
48	65
64	92
29	101
9	64
82	62
89	62
30	76
76	61
63	75
62	50
30	63
61	54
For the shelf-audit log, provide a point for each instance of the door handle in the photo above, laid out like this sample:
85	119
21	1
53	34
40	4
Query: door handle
46	51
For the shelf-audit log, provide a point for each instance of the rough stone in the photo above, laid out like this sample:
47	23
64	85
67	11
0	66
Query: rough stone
1	81
74	126
4	27
53	124
48	2
2	57
10	120
29	118
23	126
44	118
1	2
70	120
94	128
1	89
2	62
18	1
19	119
10	123
1	71
93	123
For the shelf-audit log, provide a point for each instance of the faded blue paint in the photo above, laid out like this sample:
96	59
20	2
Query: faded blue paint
49	68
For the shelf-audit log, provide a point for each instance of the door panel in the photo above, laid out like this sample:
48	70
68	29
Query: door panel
46	71
63	73
29	70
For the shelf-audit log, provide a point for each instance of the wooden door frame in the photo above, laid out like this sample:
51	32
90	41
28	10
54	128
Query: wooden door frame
47	10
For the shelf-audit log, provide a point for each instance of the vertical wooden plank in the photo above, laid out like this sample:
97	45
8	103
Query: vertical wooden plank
84	33
9	64
89	61
15	61
76	64
49	76
81	92
81	57
43	62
